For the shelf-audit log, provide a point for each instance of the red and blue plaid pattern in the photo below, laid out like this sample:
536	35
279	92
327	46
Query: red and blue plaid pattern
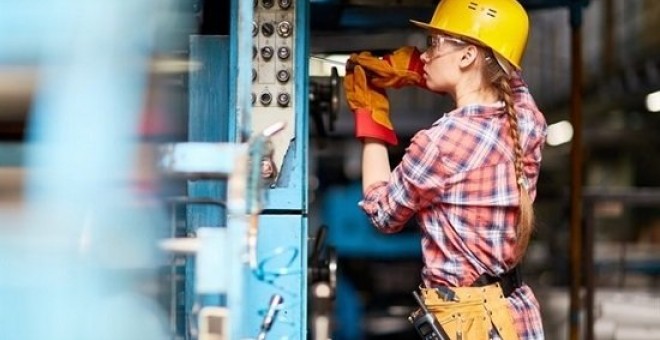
458	179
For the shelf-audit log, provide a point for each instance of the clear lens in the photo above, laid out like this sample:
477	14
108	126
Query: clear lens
436	41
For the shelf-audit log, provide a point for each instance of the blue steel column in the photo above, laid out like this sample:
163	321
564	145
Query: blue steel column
239	82
240	40
208	121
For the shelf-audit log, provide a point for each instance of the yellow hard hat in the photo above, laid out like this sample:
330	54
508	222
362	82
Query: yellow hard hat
502	25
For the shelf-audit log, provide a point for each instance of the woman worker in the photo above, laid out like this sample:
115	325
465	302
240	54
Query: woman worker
470	178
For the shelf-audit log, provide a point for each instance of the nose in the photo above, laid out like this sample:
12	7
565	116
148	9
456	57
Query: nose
424	57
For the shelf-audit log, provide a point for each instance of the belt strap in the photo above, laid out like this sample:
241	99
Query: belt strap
509	281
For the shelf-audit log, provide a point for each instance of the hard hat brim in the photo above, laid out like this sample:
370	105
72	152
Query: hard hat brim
434	29
424	25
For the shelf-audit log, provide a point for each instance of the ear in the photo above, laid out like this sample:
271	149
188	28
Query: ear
468	56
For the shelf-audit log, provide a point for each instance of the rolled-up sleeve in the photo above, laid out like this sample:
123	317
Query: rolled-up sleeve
412	185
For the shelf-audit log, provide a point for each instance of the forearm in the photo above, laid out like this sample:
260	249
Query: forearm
375	163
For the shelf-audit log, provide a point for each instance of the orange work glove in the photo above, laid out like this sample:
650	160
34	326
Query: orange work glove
402	67
370	107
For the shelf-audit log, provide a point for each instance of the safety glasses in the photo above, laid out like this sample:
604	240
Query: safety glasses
437	40
435	43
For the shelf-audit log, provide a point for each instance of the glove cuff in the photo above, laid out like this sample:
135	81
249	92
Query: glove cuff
365	126
415	64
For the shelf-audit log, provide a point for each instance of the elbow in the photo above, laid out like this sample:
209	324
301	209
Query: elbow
387	226
386	218
390	229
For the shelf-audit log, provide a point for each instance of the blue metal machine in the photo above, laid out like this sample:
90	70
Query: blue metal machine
246	275
271	87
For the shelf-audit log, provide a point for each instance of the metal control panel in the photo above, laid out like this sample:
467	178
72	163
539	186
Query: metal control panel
268	64
273	72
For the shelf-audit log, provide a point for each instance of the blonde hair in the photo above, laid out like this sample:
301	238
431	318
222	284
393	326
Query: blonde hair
496	75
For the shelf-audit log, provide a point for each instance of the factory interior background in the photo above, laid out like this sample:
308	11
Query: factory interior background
130	134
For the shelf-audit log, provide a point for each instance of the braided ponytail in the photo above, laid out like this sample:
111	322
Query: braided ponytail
496	75
526	219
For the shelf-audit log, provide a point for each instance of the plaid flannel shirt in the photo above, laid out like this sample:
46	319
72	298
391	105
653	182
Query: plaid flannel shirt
458	179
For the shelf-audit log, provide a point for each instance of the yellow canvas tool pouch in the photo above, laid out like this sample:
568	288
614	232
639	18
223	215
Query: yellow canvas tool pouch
476	313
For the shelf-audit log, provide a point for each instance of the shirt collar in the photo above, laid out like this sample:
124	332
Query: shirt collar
481	110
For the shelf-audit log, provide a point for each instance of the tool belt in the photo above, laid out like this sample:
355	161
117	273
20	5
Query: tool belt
480	311
509	281
475	313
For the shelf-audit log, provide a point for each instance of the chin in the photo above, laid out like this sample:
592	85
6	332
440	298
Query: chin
434	87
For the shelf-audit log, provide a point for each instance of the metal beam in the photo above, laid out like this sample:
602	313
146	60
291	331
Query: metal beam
576	234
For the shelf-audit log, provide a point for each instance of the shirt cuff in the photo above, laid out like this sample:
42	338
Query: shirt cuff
371	196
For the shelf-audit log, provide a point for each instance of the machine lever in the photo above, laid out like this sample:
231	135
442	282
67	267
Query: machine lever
329	61
273	307
324	101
